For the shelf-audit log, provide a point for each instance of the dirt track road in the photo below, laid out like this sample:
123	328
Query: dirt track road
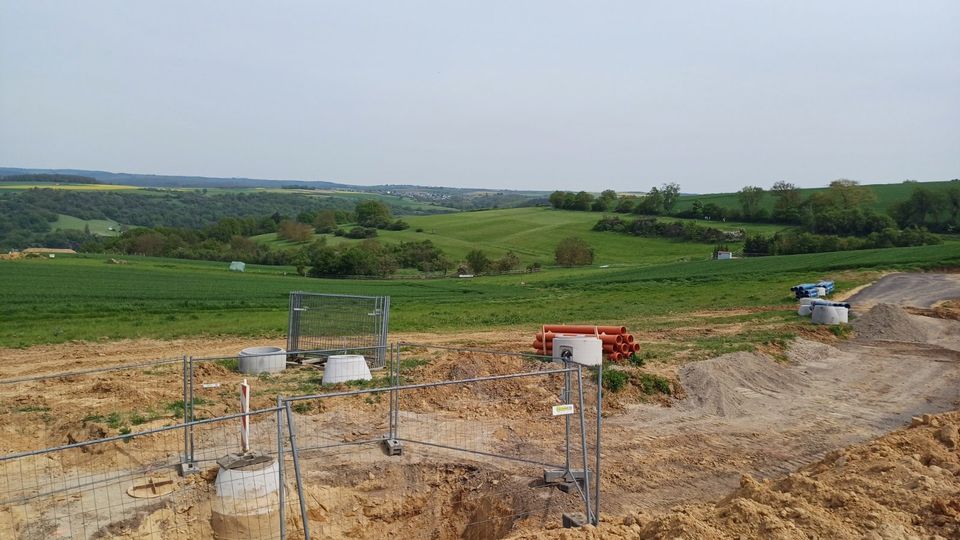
913	290
749	414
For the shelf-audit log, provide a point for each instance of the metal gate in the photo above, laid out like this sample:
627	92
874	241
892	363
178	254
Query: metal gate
327	324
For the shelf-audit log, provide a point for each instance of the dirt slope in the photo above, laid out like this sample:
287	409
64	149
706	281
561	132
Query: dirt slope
903	485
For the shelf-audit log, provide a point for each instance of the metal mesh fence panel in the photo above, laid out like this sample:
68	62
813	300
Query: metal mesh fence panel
129	487
445	443
339	324
49	410
473	460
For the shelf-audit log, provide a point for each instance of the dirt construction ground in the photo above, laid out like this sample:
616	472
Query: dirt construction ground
794	447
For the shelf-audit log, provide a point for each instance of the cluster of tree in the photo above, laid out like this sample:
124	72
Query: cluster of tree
51	178
936	210
223	241
20	225
803	242
478	262
573	251
678	230
371	258
659	200
376	215
842	209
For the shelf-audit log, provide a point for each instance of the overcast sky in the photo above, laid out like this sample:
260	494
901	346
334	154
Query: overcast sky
713	95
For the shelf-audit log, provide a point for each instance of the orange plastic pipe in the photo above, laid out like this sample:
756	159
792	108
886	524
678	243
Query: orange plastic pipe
603	337
636	347
628	338
607	347
584	329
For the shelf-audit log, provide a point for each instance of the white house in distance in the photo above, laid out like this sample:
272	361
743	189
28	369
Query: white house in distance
724	255
237	266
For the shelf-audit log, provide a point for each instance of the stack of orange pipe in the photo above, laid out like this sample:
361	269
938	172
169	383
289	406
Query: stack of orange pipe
617	342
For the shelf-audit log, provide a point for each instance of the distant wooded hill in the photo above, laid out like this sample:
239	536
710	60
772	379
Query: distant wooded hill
49	178
449	197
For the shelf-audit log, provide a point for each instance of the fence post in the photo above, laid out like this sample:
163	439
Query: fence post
283	483
384	327
186	429
596	497
396	399
566	418
583	445
292	430
188	464
293	326
190	379
394	365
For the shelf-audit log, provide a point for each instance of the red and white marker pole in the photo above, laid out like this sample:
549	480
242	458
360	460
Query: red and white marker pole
244	420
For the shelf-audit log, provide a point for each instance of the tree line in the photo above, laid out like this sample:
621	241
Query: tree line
659	200
50	178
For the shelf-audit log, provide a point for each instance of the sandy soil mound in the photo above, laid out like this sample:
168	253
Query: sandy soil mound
890	323
722	385
903	485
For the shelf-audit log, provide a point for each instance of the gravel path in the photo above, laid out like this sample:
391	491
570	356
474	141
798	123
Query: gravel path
907	289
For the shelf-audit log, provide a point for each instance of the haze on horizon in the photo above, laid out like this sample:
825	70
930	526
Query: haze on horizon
520	95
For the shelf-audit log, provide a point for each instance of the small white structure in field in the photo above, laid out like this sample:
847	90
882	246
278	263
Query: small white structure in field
346	367
237	266
724	255
257	360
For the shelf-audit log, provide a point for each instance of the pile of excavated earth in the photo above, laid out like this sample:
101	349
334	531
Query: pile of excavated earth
902	485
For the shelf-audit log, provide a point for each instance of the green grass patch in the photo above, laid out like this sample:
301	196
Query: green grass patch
231	364
80	298
101	227
842	331
176	408
413	363
114	420
33	409
615	380
651	384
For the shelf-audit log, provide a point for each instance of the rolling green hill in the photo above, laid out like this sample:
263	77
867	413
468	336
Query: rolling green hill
533	233
887	195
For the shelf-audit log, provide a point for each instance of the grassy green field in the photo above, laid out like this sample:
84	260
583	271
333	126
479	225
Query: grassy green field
86	298
533	233
102	227
887	195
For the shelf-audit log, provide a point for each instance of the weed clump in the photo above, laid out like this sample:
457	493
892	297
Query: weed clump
842	331
614	380
654	384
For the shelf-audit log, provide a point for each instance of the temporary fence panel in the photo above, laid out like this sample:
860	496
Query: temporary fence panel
459	442
472	457
331	324
87	403
128	486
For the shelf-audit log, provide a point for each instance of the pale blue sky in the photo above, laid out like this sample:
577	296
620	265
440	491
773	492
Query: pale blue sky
548	95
